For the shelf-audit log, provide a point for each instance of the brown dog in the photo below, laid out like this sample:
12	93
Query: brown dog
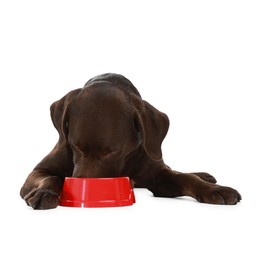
107	130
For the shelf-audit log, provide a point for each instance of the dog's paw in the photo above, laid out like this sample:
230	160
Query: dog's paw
205	177
220	195
42	199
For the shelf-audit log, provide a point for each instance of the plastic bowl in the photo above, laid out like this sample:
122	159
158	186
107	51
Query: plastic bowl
97	192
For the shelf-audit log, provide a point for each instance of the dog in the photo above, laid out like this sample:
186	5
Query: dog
107	130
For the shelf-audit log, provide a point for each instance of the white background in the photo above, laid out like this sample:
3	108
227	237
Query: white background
197	61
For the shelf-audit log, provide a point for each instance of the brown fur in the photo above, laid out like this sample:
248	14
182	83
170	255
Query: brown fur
107	130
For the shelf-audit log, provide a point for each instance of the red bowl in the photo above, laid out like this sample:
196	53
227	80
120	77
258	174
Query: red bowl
97	192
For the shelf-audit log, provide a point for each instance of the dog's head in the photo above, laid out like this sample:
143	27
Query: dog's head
103	125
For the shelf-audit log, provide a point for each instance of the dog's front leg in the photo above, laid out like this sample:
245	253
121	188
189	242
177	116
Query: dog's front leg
200	186
42	187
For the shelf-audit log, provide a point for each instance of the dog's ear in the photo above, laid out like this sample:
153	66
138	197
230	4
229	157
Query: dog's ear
153	126
59	113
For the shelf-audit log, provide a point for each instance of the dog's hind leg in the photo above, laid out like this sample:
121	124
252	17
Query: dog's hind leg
205	176
171	184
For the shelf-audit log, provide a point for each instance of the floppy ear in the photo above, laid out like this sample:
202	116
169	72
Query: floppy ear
59	113
153	125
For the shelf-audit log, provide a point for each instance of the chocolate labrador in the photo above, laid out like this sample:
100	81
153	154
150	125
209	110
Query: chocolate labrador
107	130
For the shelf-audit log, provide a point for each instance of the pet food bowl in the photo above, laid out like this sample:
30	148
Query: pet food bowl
97	192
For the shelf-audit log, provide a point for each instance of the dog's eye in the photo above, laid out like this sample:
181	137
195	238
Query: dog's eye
136	126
